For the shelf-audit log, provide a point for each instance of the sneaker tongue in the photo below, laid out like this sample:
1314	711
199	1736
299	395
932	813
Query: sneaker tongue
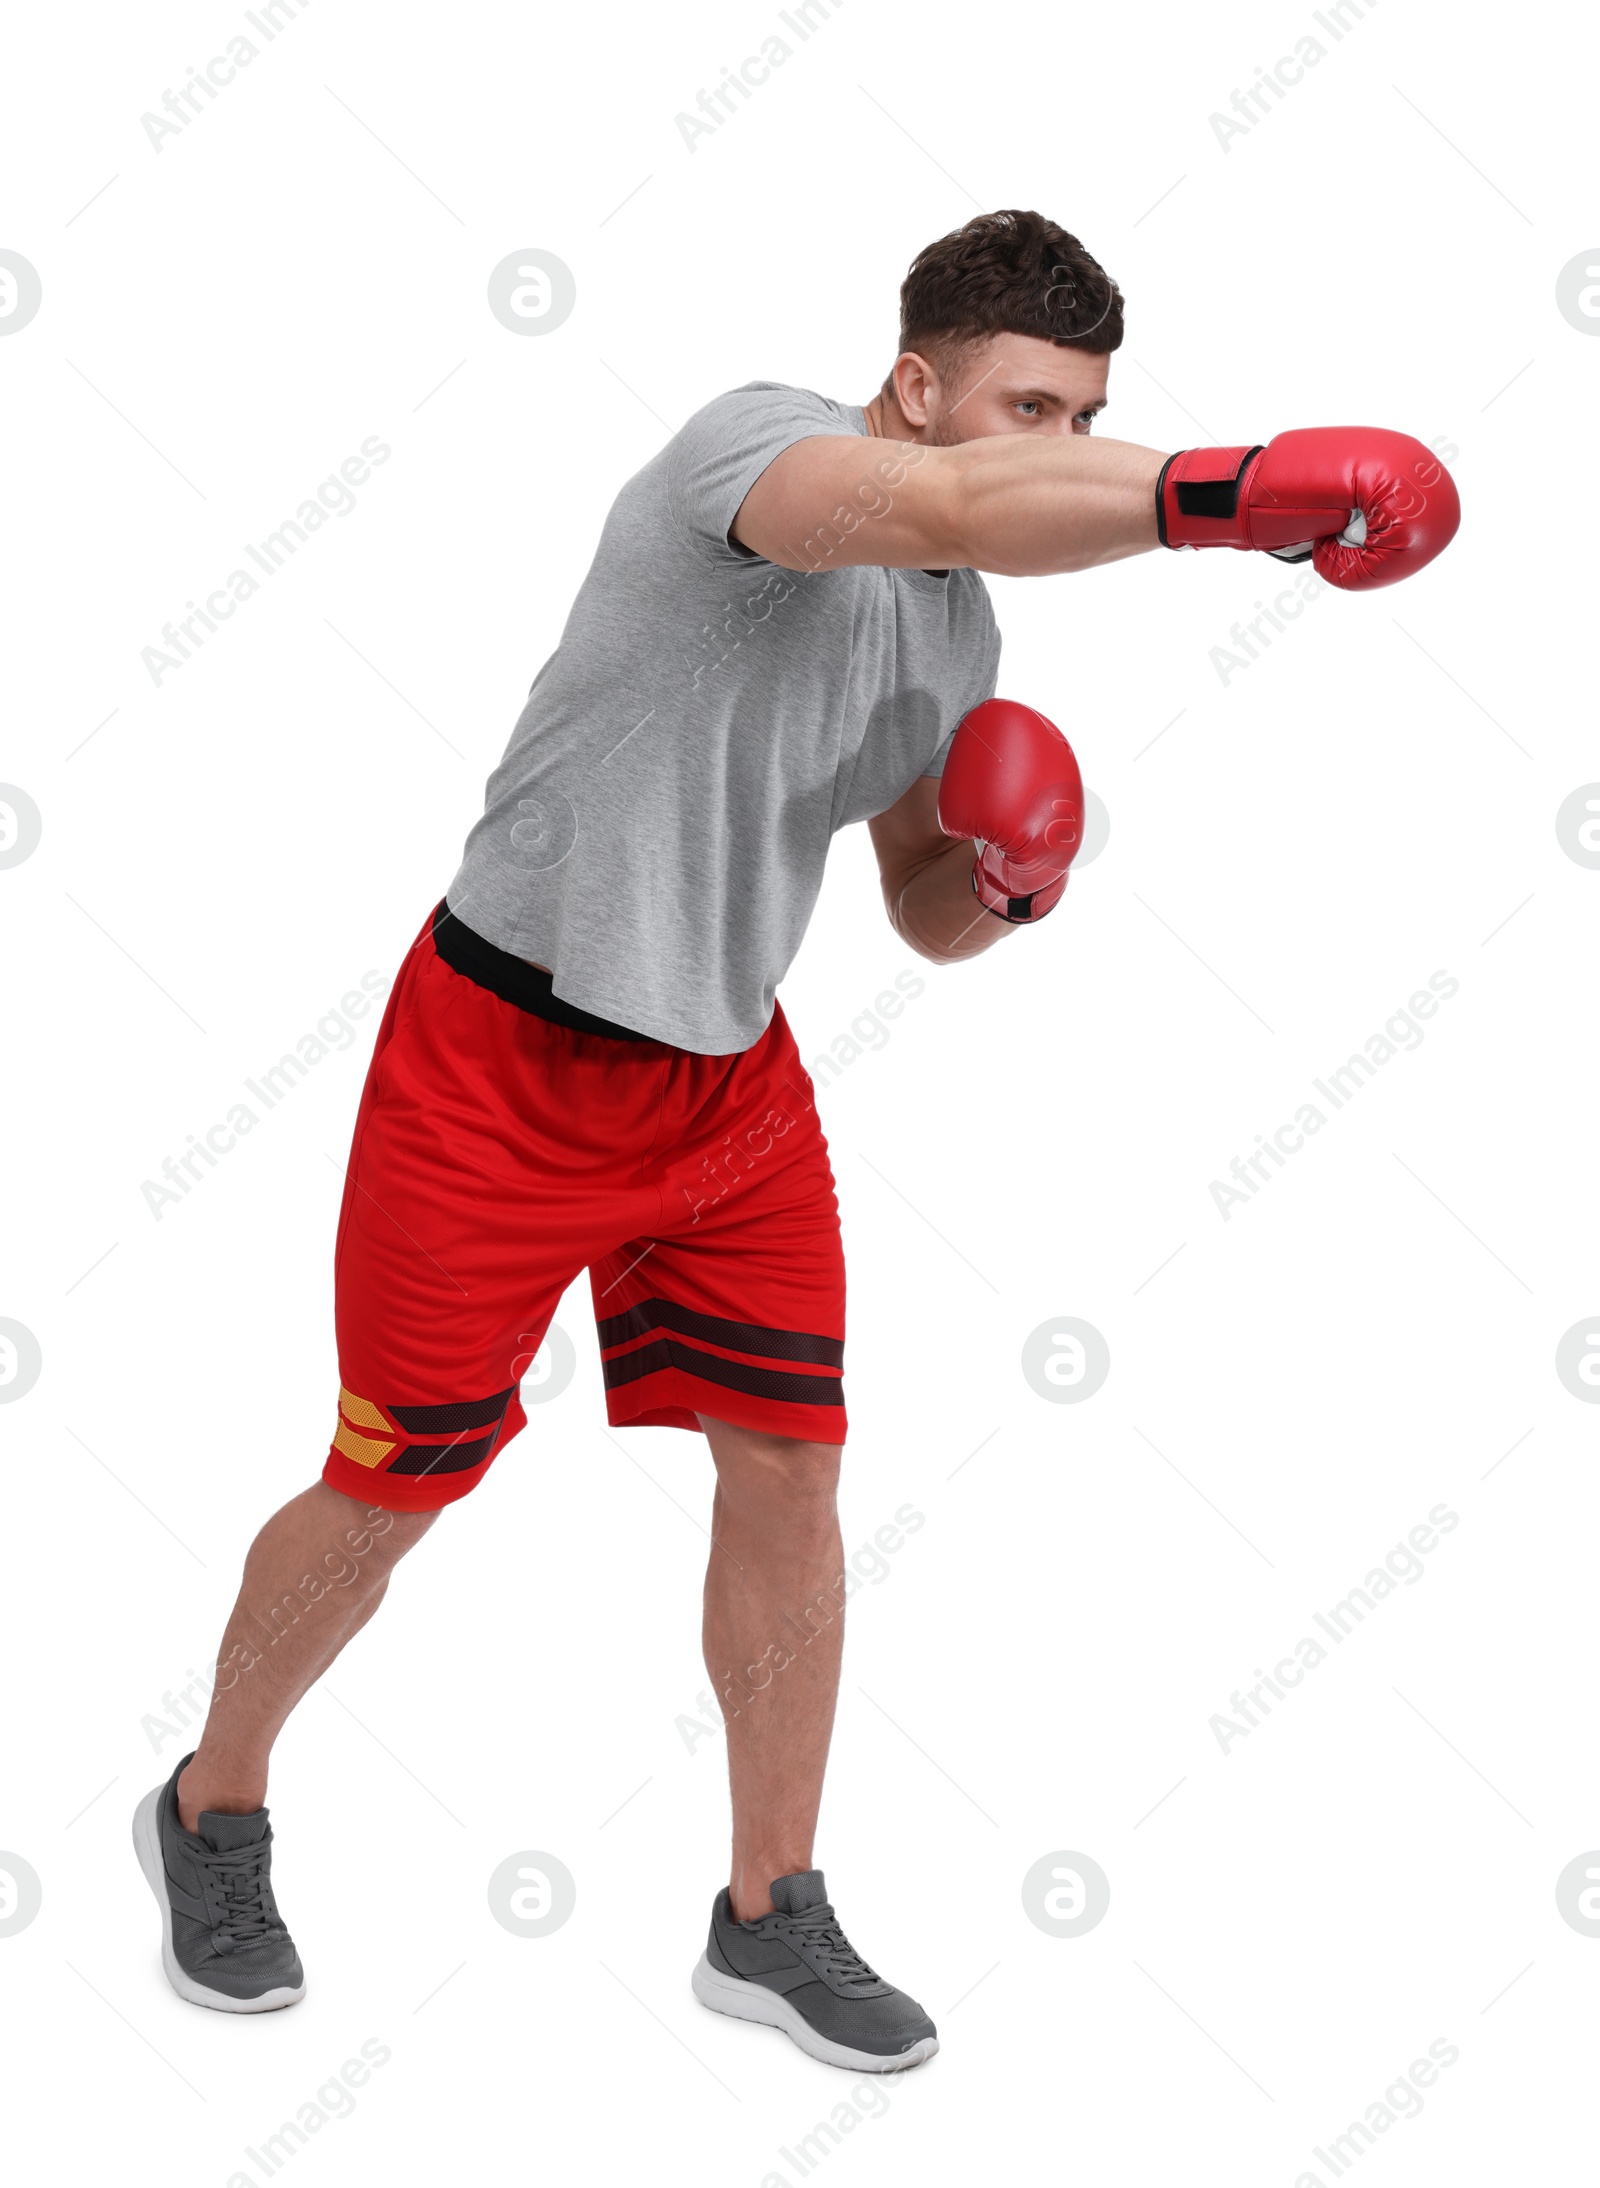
226	1834
794	1894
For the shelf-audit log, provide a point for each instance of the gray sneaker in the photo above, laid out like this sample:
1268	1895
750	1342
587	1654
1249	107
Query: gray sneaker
796	1970
223	1942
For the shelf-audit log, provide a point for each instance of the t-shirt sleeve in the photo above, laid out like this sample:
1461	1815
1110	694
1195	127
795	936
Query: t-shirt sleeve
718	456
984	686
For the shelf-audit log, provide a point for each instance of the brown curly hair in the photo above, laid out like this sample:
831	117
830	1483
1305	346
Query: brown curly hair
1007	273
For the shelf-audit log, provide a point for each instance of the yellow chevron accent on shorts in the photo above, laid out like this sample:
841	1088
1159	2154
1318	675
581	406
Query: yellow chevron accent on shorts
362	1449
362	1411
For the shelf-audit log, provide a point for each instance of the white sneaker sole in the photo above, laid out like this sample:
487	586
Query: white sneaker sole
751	2002
147	1845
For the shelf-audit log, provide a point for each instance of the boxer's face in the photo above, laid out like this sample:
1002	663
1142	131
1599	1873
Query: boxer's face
1008	383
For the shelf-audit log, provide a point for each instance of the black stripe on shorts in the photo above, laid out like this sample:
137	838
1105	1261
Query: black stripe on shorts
632	1367
442	1458
737	1336
448	1420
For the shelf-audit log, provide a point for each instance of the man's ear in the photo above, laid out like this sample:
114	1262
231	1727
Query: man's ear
916	384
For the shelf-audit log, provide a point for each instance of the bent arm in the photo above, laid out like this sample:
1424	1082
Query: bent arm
1017	505
927	880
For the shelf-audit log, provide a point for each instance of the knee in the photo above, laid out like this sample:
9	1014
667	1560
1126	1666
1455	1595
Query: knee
361	1543
779	1477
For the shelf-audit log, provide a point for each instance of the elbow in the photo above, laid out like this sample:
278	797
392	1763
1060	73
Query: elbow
916	938
953	531
919	946
982	526
1011	522
962	520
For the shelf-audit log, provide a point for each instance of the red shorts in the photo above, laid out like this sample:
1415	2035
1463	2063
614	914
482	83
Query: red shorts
498	1152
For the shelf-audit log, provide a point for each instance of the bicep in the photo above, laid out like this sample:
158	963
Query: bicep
830	501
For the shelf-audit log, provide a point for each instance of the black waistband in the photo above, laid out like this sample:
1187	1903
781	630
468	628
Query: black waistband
513	979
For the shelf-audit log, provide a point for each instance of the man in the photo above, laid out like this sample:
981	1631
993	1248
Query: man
582	1063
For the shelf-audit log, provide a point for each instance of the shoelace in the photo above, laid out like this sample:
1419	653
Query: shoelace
818	1927
239	1895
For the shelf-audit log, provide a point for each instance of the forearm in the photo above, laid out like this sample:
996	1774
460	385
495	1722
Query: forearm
933	909
1027	507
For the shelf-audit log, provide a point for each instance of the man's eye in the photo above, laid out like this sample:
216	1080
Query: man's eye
1031	407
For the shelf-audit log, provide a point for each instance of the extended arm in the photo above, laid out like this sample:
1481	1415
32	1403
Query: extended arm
1367	506
1014	504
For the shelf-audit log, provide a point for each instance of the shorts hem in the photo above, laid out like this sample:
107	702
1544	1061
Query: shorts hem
399	1492
677	1399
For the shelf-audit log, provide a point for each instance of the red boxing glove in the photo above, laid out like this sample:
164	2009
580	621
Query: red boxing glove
1366	506
1011	782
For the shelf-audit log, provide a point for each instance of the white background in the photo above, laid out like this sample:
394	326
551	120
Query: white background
1372	801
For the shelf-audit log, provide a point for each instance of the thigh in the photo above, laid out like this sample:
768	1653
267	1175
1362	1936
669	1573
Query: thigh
492	1158
734	1305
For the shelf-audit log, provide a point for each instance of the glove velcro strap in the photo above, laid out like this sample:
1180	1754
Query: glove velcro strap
1018	911
1200	484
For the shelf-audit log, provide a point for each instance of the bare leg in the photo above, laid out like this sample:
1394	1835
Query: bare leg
313	1577
774	1626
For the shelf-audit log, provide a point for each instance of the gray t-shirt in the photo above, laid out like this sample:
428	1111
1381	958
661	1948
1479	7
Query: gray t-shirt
657	829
